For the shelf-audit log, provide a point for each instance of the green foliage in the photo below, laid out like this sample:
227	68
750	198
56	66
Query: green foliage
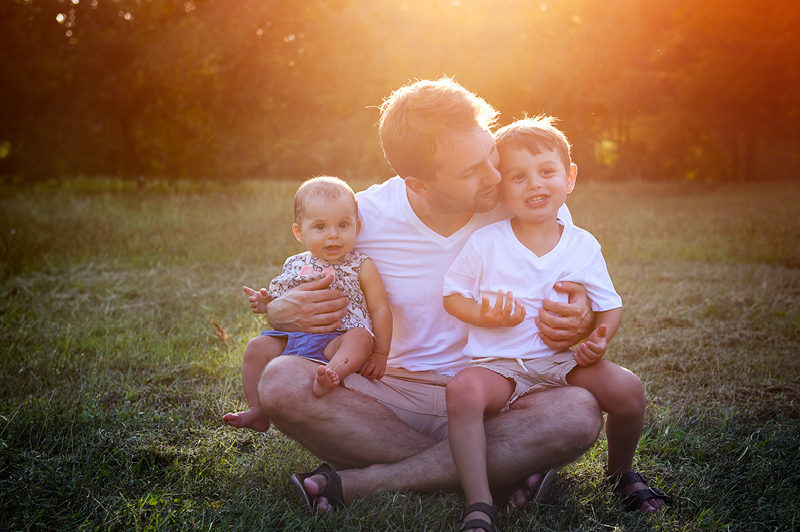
232	90
113	381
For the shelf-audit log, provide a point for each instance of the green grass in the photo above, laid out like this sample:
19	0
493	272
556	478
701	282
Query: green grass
112	379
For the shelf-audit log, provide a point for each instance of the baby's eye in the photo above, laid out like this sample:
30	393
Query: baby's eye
344	225
319	227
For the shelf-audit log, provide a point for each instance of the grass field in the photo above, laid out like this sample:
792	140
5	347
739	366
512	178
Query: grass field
113	377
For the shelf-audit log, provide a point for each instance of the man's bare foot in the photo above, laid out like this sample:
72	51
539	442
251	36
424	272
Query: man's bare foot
318	484
536	487
523	496
313	488
325	381
253	418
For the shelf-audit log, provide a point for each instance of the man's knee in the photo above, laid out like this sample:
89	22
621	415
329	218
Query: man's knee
585	416
285	386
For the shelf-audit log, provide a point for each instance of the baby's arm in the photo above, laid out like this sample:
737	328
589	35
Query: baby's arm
258	299
594	348
378	306
507	312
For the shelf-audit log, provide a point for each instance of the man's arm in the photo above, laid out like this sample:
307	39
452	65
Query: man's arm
308	308
563	325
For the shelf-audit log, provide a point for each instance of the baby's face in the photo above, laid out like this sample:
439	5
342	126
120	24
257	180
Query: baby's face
534	187
328	228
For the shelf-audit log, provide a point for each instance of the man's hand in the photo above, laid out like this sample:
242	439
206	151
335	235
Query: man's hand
563	325
504	313
308	308
374	367
258	300
594	348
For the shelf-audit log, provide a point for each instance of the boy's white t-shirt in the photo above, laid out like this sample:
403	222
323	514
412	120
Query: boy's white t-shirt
494	259
412	260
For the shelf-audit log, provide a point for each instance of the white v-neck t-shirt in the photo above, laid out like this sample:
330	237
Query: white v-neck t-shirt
494	259
412	260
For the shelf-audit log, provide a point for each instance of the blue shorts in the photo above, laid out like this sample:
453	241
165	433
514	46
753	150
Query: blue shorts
305	345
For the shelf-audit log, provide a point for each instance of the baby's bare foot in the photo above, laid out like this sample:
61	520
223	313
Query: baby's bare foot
325	381
253	418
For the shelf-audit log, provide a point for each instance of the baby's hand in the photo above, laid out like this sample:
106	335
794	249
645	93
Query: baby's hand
374	367
504	313
593	348
258	300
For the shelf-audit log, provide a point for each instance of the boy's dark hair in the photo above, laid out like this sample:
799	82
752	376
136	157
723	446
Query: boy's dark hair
535	135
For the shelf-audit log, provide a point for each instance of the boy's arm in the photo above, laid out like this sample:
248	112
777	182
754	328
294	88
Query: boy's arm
381	314
506	312
594	348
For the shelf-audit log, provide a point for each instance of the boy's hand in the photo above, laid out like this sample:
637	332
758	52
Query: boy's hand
374	367
504	313
258	300
593	348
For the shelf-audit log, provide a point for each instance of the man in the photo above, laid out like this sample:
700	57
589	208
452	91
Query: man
391	434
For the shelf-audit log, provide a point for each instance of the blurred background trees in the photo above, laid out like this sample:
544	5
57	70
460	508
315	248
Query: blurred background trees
235	89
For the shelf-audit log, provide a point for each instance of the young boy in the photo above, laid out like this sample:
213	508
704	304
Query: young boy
516	263
326	220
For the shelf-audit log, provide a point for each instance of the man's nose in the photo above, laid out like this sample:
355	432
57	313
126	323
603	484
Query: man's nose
491	176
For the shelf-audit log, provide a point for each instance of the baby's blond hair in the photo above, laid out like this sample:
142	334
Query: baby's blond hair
323	187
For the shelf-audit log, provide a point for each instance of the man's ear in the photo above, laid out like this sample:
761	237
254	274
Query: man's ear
298	234
417	186
571	177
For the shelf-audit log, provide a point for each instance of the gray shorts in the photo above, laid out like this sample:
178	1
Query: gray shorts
530	375
416	397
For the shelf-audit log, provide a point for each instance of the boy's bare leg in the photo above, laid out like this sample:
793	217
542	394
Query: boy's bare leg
472	394
258	353
541	431
620	393
345	354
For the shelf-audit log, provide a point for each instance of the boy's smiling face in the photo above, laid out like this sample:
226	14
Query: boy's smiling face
328	228
534	187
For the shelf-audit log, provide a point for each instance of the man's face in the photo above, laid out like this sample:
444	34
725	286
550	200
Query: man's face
466	173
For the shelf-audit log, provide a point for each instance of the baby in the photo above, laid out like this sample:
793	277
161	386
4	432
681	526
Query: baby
326	221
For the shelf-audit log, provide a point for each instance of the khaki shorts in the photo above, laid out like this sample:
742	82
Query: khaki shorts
530	375
416	397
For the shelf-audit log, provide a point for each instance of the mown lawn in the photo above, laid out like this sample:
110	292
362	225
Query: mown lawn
113	376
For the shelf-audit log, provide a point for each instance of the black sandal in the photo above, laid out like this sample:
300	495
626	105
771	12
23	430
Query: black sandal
333	491
633	501
488	509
